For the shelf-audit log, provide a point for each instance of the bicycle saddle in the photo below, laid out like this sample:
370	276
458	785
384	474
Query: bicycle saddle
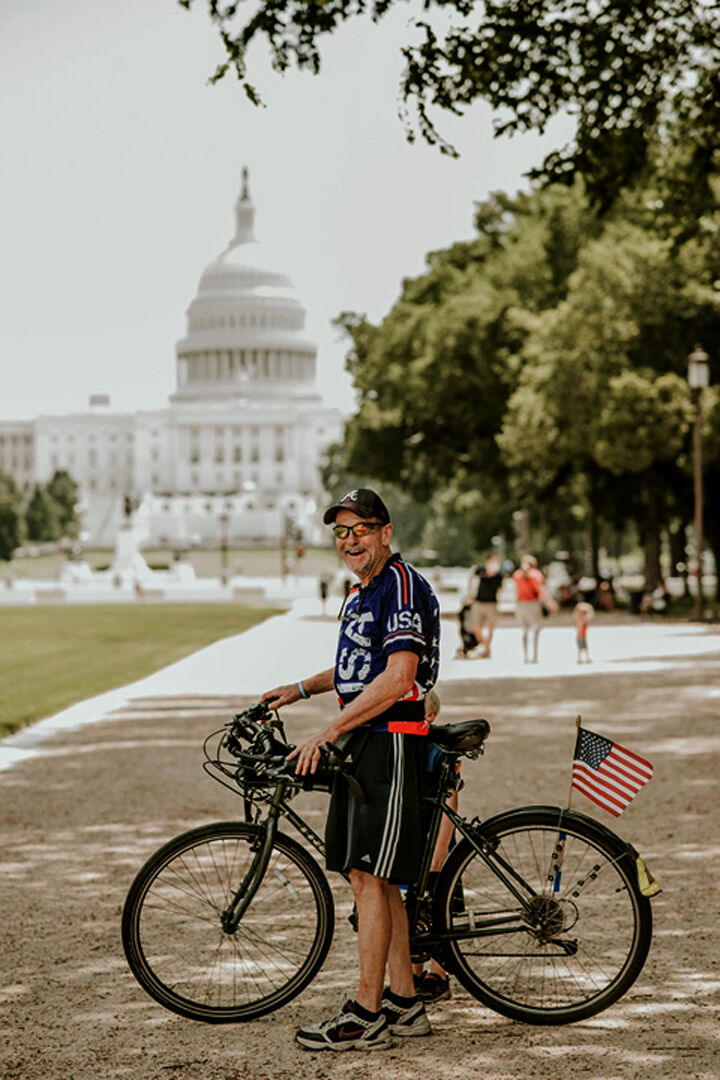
462	737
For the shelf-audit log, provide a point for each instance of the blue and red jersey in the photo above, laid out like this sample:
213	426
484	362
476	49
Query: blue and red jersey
397	612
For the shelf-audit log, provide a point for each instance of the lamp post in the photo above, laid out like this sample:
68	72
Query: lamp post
224	519
698	380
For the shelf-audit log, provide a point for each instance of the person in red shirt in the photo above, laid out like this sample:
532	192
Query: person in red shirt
531	595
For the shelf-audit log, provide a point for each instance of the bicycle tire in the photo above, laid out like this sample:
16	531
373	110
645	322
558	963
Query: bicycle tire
533	974
174	941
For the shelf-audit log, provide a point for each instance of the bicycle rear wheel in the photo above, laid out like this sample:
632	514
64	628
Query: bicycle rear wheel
175	943
586	936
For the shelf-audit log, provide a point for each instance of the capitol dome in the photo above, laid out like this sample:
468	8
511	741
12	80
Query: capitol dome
245	327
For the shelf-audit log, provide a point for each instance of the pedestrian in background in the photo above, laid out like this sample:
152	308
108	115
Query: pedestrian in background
532	602
582	614
485	584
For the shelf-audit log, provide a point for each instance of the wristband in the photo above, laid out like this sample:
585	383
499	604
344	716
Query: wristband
303	691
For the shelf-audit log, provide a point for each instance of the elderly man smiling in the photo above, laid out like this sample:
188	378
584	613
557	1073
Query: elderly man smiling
386	662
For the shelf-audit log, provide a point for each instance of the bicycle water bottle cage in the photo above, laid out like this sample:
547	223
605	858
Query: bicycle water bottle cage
466	737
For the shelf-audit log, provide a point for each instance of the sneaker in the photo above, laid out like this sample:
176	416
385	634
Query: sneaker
349	1030
433	987
405	1019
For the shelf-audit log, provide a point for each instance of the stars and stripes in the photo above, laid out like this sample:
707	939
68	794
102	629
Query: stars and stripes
606	772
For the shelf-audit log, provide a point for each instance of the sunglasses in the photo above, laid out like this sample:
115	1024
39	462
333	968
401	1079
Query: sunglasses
341	532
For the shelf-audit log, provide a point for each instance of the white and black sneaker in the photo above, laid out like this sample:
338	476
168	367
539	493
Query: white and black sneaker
353	1028
405	1016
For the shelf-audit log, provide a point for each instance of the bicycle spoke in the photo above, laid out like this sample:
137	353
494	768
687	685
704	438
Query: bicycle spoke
579	946
190	963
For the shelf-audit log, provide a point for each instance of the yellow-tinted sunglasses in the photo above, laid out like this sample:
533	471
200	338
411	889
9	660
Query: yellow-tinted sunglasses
341	532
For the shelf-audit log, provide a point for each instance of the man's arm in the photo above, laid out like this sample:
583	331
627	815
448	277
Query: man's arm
390	686
286	695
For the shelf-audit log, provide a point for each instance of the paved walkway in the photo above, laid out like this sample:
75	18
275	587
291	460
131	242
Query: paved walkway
302	641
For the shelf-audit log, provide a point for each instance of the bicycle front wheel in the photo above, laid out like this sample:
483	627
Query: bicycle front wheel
175	942
580	940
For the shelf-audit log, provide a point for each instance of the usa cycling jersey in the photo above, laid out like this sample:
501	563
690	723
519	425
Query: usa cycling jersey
396	612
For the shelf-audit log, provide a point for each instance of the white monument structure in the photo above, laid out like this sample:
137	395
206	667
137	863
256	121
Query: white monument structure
235	455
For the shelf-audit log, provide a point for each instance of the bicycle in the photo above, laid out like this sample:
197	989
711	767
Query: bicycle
537	911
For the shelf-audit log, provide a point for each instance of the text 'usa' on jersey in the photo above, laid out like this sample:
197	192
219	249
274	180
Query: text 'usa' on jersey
397	612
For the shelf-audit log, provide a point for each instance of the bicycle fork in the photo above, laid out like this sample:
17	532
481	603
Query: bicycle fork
253	878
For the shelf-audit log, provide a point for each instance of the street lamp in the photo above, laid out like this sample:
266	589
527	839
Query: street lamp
224	519
698	377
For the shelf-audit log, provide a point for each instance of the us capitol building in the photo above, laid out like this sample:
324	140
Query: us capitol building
236	452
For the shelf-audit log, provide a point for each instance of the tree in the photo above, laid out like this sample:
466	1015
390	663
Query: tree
63	490
603	392
434	378
11	517
42	517
617	66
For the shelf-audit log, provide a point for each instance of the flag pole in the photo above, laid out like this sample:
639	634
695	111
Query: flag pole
559	853
578	722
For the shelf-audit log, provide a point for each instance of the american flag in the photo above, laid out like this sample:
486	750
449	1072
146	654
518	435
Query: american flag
607	773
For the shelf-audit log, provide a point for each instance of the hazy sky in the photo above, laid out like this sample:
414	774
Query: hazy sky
120	166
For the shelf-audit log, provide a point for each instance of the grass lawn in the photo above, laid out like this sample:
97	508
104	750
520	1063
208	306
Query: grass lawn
54	656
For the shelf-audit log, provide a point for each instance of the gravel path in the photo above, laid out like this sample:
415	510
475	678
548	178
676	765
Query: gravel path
81	816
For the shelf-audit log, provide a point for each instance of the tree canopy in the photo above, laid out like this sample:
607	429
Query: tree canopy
11	517
616	66
542	367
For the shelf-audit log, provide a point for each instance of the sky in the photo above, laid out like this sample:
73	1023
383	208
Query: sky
120	165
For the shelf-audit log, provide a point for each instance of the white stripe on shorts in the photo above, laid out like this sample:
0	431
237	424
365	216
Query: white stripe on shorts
391	834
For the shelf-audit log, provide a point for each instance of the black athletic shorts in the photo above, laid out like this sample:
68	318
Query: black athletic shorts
382	835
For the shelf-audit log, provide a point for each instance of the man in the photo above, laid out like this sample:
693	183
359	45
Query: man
485	584
387	660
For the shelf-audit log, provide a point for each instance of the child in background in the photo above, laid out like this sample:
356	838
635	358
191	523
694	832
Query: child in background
582	615
434	985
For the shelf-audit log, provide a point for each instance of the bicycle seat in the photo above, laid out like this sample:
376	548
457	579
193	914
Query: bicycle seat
462	737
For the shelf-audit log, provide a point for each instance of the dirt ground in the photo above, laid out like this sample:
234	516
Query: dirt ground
79	819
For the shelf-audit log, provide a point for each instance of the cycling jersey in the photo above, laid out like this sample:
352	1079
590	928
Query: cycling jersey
396	612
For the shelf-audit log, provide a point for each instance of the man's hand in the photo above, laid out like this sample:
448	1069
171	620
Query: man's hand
308	755
281	695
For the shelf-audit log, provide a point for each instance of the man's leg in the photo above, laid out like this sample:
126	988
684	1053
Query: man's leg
374	935
383	940
399	960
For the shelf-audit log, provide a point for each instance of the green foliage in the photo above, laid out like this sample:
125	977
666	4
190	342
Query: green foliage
12	525
643	421
434	378
618	67
63	490
42	516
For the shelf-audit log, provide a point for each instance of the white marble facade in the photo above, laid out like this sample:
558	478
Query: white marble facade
236	452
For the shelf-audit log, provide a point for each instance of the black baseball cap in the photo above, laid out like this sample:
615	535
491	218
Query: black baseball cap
364	502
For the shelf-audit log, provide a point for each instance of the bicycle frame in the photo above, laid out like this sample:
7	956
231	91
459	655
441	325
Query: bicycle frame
417	895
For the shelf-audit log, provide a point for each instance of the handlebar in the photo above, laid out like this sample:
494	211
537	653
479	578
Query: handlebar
266	754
